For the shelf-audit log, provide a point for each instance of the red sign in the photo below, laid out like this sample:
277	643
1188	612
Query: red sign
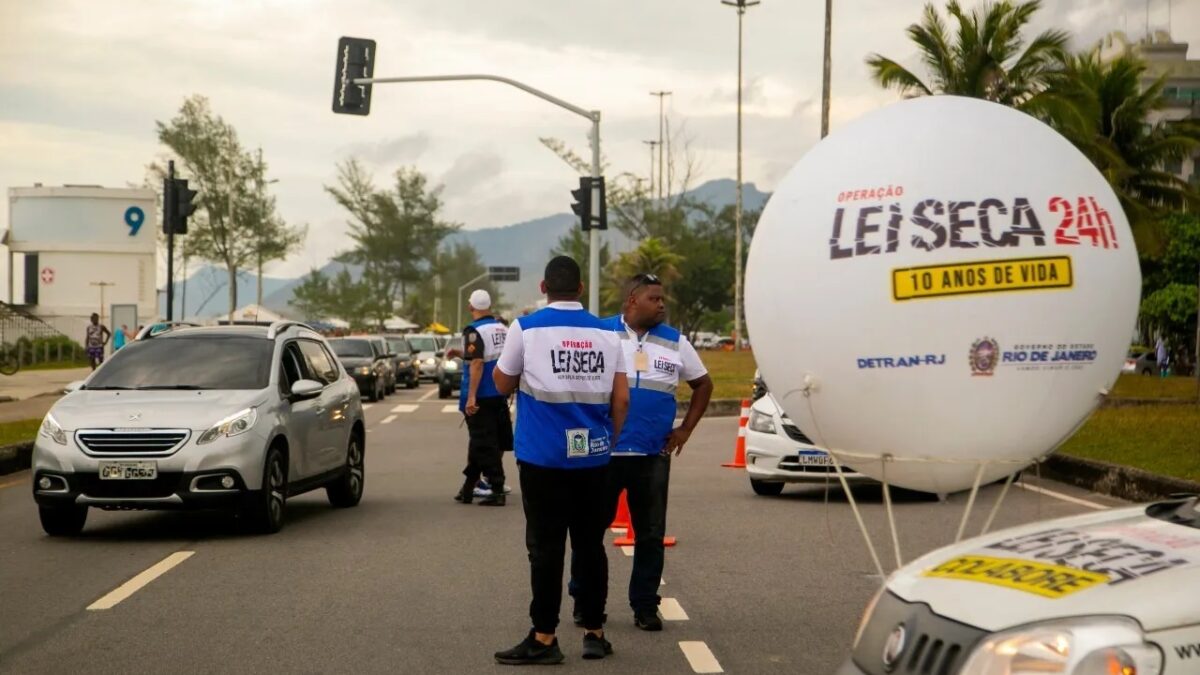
47	275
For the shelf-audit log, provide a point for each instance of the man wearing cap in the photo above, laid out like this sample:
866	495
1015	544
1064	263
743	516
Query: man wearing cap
658	357
568	369
489	426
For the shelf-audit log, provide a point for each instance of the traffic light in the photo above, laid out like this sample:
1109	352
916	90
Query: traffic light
355	59
178	204
583	204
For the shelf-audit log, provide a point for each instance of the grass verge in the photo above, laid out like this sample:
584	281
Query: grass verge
732	374
18	432
1162	439
1152	386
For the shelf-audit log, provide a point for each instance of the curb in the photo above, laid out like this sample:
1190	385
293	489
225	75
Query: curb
1134	402
718	407
1114	480
14	458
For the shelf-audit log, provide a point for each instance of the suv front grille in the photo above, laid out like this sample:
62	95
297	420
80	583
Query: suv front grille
933	644
165	485
795	434
148	442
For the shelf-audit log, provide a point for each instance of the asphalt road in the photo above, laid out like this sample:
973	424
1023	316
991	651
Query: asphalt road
412	582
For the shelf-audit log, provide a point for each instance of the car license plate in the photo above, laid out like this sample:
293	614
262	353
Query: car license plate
128	470
814	458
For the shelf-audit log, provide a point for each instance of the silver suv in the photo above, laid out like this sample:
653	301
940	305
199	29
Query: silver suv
236	418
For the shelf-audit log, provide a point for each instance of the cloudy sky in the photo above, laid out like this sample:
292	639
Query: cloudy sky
83	82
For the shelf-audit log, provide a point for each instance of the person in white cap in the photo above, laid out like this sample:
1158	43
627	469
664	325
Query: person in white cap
488	422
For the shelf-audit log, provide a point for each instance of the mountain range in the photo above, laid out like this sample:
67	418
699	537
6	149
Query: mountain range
526	245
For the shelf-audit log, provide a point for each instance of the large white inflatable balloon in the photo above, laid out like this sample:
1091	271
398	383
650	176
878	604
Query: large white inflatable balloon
944	284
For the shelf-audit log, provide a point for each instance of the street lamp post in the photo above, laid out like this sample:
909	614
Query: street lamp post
661	96
741	6
652	144
592	115
825	75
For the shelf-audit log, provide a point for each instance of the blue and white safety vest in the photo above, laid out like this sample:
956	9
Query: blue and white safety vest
567	359
484	340
652	390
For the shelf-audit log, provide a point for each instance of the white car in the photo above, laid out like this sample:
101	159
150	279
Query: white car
1110	592
778	452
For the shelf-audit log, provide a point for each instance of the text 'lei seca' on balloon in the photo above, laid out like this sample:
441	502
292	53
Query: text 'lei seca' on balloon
943	284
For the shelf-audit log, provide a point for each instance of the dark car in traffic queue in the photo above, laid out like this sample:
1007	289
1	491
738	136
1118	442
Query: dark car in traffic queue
404	361
364	363
390	379
450	368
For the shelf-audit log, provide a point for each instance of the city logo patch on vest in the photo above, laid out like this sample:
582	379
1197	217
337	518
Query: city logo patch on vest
578	442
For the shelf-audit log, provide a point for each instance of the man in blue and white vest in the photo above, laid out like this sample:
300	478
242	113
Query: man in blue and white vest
489	426
568	369
659	358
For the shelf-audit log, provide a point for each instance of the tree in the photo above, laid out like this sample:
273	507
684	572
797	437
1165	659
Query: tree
224	228
318	297
396	233
274	239
1171	312
436	296
986	58
1117	136
574	245
652	256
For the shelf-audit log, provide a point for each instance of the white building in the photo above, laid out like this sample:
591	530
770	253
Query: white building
76	250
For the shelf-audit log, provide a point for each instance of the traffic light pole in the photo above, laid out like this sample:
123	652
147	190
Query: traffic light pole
168	209
592	115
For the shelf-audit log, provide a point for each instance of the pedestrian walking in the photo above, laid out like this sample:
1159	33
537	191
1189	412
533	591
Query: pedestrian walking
1163	358
95	339
489	426
568	369
120	337
659	358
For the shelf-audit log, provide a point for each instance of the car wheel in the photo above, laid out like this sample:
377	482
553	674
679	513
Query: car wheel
63	521
443	391
265	513
766	489
347	489
412	383
1146	371
374	395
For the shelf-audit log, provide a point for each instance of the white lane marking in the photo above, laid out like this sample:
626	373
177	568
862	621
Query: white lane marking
671	610
368	406
662	582
22	479
627	550
450	408
405	408
1064	497
137	583
700	657
428	395
388	420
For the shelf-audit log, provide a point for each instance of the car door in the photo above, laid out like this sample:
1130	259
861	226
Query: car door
333	428
301	417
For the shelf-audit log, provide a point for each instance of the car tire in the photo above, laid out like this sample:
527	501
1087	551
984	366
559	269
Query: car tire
347	489
443	391
265	513
411	384
63	521
1146	371
374	395
766	488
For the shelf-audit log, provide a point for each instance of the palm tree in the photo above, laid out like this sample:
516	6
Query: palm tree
1119	138
652	256
986	57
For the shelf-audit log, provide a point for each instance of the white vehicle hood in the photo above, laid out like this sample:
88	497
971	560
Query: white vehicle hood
1119	562
158	409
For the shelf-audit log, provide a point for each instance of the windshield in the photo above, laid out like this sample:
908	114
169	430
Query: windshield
355	349
208	362
424	343
399	346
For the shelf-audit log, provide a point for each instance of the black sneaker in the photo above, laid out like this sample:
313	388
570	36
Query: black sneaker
494	500
647	620
532	653
595	647
464	496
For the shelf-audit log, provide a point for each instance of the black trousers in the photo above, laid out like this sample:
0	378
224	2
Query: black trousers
646	480
558	503
490	433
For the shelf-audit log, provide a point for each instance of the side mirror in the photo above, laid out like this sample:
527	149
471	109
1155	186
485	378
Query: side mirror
75	386
439	353
303	389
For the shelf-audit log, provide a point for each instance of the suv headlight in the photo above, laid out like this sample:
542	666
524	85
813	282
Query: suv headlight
1084	646
238	423
53	430
430	361
363	370
451	365
761	422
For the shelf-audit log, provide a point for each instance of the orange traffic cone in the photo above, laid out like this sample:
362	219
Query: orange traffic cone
739	449
622	520
630	538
